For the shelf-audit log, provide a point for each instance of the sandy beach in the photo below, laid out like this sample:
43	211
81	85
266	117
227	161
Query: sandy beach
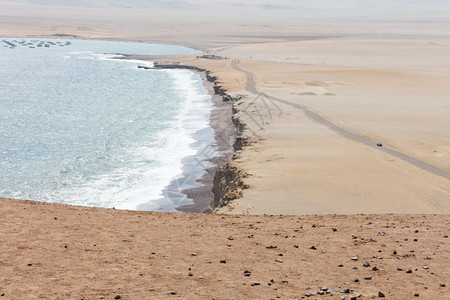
314	126
309	206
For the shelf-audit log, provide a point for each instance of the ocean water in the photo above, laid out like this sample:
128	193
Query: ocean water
80	127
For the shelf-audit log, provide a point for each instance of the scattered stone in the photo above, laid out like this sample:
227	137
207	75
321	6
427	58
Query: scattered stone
117	297
354	258
284	282
190	274
201	277
250	236
271	247
323	251
345	291
427	258
416	295
334	229
381	233
324	288
366	264
247	273
356	280
368	278
279	260
313	248
276	233
375	269
355	268
295	246
416	231
230	238
409	271
426	267
399	269
193	254
223	261
380	295
340	265
173	293
442	285
29	265
255	283
395	252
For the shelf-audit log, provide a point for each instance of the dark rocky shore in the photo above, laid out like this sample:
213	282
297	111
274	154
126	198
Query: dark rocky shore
223	182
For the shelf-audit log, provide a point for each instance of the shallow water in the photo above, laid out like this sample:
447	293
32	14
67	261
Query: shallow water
79	127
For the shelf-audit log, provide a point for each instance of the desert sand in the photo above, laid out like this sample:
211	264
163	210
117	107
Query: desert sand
51	251
322	84
395	93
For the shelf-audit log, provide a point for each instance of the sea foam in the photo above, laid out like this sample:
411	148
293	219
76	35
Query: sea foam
78	126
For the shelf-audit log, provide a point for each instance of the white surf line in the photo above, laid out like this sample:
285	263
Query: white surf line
250	86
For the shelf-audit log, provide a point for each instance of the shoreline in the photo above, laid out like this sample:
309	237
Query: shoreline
222	182
210	158
220	121
225	135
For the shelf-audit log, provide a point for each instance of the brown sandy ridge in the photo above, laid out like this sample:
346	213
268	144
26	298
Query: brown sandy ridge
51	251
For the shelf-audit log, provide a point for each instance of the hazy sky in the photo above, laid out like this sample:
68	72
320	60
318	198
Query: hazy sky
417	13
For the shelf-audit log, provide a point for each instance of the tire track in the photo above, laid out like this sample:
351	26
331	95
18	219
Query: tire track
250	87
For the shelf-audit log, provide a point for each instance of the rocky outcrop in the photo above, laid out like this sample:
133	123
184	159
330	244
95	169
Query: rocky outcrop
227	185
228	181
